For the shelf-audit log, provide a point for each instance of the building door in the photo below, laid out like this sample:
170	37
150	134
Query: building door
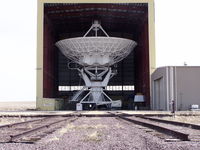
158	95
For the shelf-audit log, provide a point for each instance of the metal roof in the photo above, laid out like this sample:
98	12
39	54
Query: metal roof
64	11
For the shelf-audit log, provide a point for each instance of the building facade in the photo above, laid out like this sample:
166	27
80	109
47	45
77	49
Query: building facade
59	19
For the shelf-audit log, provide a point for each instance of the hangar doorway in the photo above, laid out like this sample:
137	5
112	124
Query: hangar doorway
125	20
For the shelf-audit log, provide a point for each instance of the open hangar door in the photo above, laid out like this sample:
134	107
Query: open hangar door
66	20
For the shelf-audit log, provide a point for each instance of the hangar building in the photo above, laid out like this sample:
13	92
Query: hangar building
61	19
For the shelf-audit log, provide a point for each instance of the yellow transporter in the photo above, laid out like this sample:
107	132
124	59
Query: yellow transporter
61	19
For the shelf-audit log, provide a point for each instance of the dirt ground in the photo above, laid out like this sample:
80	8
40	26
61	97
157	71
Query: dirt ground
14	106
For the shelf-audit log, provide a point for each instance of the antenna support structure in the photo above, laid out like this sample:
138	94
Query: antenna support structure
96	55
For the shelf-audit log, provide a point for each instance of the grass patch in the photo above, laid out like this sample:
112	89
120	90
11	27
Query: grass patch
94	136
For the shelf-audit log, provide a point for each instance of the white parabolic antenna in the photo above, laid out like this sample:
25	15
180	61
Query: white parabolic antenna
96	51
96	54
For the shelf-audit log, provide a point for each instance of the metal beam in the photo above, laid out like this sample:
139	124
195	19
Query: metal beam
80	7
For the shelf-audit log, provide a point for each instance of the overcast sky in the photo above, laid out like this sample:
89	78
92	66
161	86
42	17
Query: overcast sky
177	41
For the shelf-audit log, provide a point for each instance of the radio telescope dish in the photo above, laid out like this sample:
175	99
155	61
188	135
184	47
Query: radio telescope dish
96	51
96	54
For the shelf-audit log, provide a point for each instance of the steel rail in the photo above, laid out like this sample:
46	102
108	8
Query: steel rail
189	125
76	113
16	136
164	130
23	122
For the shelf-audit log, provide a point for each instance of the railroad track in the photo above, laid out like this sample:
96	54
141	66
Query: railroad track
167	130
32	130
189	125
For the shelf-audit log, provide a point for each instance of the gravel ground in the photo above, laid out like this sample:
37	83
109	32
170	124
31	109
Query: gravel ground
185	119
8	120
102	134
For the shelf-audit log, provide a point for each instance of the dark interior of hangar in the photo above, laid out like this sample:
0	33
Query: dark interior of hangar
127	20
